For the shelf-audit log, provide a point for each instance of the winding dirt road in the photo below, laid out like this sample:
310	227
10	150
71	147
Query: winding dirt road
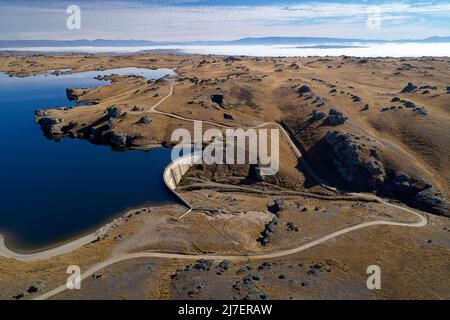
421	221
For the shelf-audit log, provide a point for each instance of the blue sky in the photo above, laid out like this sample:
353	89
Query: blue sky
188	20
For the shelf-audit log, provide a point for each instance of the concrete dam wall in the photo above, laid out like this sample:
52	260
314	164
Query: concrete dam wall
175	171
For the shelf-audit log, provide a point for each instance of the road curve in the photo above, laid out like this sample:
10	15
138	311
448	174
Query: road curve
421	220
420	223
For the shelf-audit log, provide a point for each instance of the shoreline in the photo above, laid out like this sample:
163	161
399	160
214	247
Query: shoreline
78	242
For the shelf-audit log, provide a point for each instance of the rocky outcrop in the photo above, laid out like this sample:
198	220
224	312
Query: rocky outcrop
364	172
356	98
144	120
360	167
268	231
304	90
218	99
335	118
276	206
317	115
70	93
410	87
119	140
51	125
417	193
231	59
114	112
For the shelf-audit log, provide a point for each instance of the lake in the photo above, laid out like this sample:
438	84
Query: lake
51	192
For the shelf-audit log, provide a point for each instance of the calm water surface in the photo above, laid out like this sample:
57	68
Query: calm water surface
53	191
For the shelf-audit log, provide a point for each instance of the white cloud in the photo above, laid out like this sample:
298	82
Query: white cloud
126	20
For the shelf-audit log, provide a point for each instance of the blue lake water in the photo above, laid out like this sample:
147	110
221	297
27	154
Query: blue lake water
53	191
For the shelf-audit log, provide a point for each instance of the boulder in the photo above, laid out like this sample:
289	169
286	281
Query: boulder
217	98
228	116
335	118
137	109
70	93
203	264
231	59
268	230
317	116
52	126
224	265
145	120
36	286
117	139
410	87
114	112
303	90
292	227
275	206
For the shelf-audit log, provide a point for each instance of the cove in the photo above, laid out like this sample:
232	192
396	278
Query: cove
51	192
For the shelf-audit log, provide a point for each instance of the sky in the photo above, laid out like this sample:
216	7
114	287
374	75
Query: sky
196	20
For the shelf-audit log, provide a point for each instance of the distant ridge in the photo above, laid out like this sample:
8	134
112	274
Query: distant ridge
243	41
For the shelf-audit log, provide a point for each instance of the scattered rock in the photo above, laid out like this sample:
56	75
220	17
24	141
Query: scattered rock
303	90
275	206
224	265
264	296
137	109
268	230
265	266
243	269
121	140
317	116
217	98
356	99
409	88
292	227
36	286
145	120
19	296
114	112
203	265
195	291
231	59
335	118
228	116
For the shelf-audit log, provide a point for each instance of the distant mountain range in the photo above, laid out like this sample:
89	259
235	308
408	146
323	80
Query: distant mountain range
244	41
